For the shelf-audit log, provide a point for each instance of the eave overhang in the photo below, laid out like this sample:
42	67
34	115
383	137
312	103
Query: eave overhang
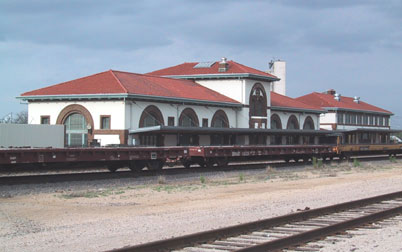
127	96
224	76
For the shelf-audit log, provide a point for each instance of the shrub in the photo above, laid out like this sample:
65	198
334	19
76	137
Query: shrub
161	180
356	162
202	179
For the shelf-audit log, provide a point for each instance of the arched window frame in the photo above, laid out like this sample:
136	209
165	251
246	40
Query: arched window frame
293	118
220	114
189	112
258	94
154	112
307	121
276	118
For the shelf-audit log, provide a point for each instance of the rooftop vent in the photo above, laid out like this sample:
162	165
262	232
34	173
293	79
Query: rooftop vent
223	65
330	91
356	99
337	97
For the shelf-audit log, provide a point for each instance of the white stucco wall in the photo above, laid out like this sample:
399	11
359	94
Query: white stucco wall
134	111
115	109
301	117
230	88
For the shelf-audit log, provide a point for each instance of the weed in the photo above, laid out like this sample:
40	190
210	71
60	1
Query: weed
356	163
315	162
319	163
202	179
241	177
92	194
392	159
161	180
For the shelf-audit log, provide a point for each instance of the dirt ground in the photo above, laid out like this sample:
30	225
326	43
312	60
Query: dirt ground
110	216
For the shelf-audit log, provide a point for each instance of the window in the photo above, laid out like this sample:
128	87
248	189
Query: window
347	118
204	122
371	120
220	120
188	118
170	121
365	120
381	119
359	119
340	118
45	120
353	119
105	122
387	121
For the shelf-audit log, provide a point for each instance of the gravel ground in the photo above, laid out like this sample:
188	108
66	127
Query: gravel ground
102	215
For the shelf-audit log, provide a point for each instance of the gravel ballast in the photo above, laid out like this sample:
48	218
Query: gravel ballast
104	215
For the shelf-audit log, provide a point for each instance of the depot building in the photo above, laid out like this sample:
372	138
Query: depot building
200	103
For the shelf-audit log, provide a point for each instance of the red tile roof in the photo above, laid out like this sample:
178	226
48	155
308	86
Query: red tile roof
117	82
327	101
278	100
188	69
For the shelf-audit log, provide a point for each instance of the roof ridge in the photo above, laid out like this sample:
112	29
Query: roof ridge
118	81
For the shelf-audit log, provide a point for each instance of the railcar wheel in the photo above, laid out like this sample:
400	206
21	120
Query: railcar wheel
155	165
136	166
113	168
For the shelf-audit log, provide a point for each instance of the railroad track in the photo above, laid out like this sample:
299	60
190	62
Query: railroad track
283	232
91	175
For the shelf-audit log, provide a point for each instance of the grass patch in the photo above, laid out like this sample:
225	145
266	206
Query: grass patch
356	163
241	177
392	159
202	180
177	188
92	194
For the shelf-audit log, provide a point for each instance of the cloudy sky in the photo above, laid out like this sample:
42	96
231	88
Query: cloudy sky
354	47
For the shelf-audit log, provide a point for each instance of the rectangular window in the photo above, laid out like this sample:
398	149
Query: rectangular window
359	119
381	120
371	120
365	120
170	121
204	122
340	118
387	121
347	118
353	119
45	120
105	122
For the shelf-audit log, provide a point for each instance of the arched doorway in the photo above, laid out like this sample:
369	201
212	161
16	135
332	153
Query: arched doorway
76	130
151	116
293	124
258	107
188	118
308	125
79	125
276	123
220	120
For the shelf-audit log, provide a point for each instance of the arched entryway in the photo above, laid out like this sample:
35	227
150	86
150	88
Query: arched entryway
293	124
188	118
220	120
258	107
151	116
79	125
308	125
276	123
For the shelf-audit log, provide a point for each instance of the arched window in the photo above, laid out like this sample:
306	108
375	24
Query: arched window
276	122
79	125
76	130
220	120
258	107
308	123
292	123
151	116
188	118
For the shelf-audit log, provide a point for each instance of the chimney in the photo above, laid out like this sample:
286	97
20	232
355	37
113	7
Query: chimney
337	97
278	68
223	65
356	99
331	92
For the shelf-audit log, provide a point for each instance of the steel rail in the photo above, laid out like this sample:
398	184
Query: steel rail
212	235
